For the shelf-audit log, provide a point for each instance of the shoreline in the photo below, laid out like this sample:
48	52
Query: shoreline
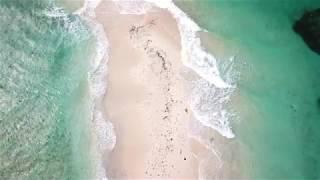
197	150
102	134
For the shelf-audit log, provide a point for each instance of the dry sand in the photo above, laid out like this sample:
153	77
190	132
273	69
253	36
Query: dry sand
147	97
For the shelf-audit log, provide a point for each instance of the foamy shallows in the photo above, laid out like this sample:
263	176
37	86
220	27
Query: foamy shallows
45	107
211	93
88	8
102	130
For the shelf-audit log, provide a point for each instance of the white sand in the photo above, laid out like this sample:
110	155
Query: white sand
147	97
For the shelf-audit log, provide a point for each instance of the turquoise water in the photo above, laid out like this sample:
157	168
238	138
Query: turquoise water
277	100
44	104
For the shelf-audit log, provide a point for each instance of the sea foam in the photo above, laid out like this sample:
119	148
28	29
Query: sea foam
102	130
211	93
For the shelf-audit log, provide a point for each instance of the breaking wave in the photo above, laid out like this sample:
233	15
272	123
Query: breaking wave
210	92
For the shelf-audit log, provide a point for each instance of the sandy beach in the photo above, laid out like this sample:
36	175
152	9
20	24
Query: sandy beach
147	96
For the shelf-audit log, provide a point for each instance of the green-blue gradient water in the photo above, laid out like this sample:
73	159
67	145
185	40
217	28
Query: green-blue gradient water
44	104
277	100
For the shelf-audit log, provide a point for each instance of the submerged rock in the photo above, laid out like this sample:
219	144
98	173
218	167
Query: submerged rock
308	27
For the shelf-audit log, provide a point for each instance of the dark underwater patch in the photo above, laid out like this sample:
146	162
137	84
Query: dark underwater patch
308	27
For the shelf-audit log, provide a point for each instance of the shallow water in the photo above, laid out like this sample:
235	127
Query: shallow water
44	104
70	5
277	99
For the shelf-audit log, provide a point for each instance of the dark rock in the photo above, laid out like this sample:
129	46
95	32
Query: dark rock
308	27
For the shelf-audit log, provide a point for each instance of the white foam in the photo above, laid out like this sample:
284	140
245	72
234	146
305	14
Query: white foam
103	129
132	6
196	58
103	133
207	104
54	12
88	8
70	25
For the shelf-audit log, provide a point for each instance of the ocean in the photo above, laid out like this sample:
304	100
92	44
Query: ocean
276	101
44	99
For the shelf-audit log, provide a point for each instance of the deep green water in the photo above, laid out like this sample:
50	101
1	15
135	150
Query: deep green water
44	104
277	100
